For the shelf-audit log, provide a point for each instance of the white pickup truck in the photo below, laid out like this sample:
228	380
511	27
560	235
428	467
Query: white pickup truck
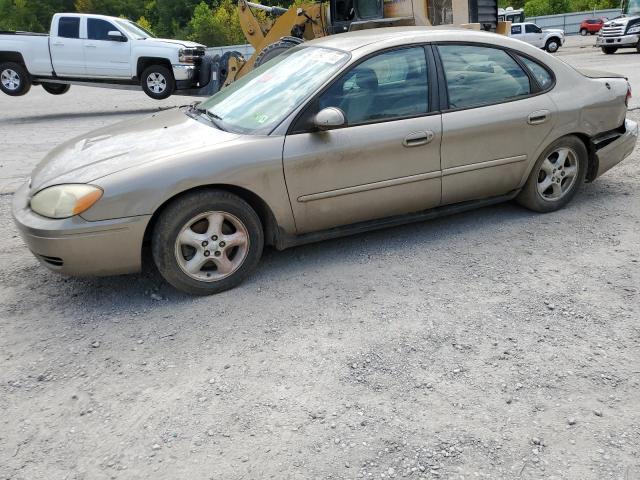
97	50
549	39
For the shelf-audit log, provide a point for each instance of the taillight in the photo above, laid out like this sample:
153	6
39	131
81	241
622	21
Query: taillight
628	97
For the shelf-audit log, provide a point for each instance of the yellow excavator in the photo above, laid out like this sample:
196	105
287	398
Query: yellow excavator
273	30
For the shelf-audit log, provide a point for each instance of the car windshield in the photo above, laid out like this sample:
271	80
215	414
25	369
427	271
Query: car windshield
134	29
631	7
260	100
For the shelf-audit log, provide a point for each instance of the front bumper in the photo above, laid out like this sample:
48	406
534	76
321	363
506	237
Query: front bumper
619	42
74	246
184	72
619	149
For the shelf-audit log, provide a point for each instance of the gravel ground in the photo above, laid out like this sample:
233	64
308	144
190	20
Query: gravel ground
493	344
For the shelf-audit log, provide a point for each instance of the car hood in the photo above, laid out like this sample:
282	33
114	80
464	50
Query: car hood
182	43
125	145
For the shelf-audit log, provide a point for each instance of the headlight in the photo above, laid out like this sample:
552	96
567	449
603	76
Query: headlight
62	201
187	55
633	29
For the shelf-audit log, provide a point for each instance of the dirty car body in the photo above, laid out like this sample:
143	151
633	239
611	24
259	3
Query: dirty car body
394	125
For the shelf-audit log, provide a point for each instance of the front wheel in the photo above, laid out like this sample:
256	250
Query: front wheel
207	242
56	88
556	176
583	32
157	82
14	79
609	50
552	45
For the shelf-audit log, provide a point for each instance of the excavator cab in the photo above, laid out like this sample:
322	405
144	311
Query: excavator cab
343	13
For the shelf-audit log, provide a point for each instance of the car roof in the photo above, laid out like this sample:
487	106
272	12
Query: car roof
378	38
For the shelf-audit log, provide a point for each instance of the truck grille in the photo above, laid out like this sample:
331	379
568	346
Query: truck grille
613	30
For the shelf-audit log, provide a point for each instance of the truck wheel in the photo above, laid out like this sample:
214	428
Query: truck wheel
14	79
158	82
552	45
273	50
583	31
609	50
56	88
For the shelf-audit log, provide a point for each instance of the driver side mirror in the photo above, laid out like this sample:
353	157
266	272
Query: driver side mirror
116	36
329	118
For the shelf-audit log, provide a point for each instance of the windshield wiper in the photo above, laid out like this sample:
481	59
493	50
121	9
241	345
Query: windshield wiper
213	118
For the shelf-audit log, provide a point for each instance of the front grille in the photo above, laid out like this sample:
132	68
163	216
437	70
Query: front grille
615	30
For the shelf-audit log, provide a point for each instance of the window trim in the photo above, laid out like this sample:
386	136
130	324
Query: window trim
114	27
70	17
513	53
432	85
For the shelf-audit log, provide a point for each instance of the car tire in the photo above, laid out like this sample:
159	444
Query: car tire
556	176
552	45
56	88
207	242
14	79
609	50
157	82
583	32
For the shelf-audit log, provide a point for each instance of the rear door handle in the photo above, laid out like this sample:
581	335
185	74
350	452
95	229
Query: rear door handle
415	139
536	118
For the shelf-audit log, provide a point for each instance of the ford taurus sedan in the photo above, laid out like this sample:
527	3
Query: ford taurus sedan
334	137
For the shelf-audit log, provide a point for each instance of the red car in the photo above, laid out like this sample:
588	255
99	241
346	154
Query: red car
591	25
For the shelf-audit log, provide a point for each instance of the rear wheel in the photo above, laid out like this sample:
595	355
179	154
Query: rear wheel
273	50
56	88
556	176
583	31
207	242
14	79
157	82
552	45
609	50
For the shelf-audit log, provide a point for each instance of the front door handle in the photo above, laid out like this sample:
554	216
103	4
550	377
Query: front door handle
58	44
536	118
416	139
90	45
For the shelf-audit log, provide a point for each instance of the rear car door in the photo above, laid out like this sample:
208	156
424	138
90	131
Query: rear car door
496	117
67	48
385	161
106	57
516	31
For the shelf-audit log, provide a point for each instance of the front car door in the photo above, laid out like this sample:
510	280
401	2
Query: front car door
534	35
498	115
385	161
106	57
67	48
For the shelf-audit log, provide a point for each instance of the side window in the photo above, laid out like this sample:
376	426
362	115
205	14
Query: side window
69	27
390	85
481	75
99	29
542	75
516	30
531	28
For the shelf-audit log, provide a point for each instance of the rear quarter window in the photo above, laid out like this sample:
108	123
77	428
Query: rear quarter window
541	74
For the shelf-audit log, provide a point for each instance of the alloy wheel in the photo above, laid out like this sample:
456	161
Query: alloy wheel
10	79
212	246
156	83
558	172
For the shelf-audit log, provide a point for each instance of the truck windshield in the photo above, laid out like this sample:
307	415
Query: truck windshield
134	29
260	100
631	7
